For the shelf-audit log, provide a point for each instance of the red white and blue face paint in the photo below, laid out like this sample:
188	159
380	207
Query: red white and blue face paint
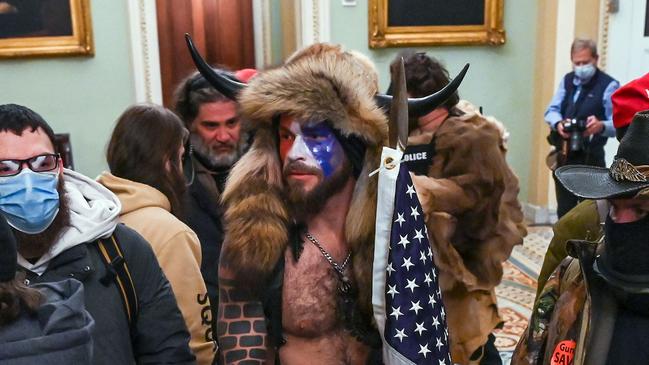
313	144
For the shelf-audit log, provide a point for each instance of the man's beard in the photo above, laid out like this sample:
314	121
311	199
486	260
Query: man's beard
218	159
33	246
305	204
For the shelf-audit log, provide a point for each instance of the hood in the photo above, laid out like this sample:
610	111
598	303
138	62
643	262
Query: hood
94	213
61	325
319	82
133	195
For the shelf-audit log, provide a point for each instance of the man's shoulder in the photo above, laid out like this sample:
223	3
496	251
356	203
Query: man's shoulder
131	242
567	79
470	126
606	78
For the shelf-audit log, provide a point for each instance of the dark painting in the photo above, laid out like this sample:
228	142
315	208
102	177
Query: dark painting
35	18
403	13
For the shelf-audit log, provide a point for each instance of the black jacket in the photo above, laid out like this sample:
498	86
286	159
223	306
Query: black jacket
204	214
158	334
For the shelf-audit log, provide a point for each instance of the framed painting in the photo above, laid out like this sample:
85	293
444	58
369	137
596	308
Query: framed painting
42	28
404	23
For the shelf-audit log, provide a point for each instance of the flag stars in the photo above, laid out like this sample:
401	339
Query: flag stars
427	280
418	235
436	323
430	253
415	307
442	313
411	191
412	285
396	312
442	362
403	240
407	263
423	350
420	328
401	334
414	212
422	257
390	269
432	301
439	343
392	290
400	219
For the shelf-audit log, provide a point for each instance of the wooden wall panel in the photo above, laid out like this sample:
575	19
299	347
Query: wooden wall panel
221	29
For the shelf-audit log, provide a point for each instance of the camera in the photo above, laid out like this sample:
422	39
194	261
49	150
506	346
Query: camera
576	128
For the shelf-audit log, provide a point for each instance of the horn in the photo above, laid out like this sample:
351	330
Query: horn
223	84
421	106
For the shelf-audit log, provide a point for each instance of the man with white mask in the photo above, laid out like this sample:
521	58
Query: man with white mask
580	115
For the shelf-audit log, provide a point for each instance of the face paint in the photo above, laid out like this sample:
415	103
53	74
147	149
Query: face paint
324	146
314	145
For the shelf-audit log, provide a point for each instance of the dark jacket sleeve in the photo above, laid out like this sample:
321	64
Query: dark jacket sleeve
159	332
580	223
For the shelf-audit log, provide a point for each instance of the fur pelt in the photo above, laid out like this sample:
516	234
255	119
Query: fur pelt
321	82
474	220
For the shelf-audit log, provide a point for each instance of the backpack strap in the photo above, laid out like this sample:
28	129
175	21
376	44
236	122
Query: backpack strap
117	271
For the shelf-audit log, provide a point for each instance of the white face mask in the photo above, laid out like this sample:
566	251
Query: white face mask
585	72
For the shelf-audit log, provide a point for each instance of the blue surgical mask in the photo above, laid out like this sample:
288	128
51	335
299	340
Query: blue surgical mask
29	201
585	72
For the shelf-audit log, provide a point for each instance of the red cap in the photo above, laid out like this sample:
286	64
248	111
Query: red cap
630	99
245	74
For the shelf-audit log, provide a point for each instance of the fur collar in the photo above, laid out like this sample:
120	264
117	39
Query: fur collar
320	82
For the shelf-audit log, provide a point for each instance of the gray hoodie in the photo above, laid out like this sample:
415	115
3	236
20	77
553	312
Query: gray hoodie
94	213
58	333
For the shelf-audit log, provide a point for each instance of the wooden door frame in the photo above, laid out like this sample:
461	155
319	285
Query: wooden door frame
314	26
145	55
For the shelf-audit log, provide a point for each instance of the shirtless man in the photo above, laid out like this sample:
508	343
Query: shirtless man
295	270
295	273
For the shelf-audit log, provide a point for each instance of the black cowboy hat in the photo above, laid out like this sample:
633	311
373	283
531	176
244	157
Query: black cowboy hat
628	174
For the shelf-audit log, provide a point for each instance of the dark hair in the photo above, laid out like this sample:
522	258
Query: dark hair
17	118
16	298
144	148
193	92
424	76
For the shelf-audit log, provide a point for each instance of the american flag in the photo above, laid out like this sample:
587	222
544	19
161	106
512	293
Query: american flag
415	318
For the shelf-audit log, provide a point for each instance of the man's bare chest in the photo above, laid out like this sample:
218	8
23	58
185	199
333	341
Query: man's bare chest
310	295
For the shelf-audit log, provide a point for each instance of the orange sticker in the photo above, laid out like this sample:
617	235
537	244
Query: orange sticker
563	353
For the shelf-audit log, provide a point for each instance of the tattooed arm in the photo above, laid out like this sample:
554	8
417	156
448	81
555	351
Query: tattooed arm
241	326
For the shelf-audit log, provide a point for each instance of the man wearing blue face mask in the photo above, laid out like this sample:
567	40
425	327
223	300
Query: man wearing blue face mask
580	115
59	217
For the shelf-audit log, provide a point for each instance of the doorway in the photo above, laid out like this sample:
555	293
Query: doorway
221	29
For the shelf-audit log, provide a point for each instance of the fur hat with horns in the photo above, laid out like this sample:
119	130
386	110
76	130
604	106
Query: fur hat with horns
321	82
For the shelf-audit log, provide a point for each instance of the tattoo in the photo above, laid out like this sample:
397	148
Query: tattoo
241	326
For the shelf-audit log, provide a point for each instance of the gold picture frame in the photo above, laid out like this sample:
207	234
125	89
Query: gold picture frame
382	35
79	43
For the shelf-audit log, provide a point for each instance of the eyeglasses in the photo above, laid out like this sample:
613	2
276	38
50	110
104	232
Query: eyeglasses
41	163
